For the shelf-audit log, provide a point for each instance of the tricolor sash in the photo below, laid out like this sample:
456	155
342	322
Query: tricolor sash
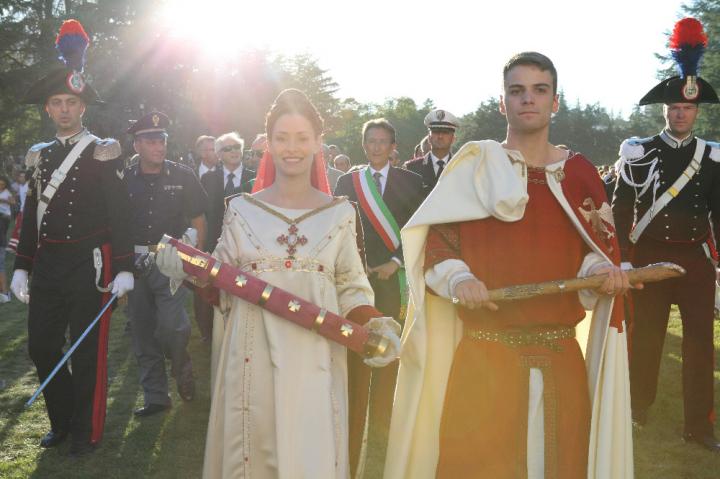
382	221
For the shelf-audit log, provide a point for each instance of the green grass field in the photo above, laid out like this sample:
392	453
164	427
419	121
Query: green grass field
172	445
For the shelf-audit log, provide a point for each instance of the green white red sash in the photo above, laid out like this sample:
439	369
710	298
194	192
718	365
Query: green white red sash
383	222
375	208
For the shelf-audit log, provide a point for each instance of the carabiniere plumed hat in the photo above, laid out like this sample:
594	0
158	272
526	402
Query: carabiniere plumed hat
71	43
687	46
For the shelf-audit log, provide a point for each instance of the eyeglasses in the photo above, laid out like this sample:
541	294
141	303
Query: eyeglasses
258	152
229	148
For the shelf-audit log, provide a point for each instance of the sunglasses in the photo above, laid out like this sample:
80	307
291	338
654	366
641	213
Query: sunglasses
229	148
258	152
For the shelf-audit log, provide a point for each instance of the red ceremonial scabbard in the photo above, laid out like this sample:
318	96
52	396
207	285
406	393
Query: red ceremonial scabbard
208	270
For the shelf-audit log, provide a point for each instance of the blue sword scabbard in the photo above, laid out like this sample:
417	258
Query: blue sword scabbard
69	352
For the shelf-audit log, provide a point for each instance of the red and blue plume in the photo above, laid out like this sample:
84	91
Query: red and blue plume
72	43
687	45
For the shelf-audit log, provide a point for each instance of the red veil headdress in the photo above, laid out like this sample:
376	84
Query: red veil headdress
266	174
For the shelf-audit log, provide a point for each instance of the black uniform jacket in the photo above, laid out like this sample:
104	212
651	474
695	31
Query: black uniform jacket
689	217
424	167
90	208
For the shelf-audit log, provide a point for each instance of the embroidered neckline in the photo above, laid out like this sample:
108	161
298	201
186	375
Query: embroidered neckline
291	221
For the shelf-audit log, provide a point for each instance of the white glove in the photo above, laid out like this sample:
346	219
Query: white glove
123	283
389	329
190	237
169	263
19	285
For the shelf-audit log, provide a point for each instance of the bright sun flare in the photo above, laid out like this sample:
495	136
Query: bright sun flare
220	28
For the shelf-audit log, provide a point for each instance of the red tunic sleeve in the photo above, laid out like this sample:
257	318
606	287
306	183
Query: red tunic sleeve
443	242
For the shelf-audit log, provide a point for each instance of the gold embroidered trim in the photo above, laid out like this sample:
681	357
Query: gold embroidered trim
304	265
286	219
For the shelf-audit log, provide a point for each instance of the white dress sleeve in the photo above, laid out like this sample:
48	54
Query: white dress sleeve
351	282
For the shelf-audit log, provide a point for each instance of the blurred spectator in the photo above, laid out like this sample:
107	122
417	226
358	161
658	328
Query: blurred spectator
205	154
342	162
6	202
332	173
257	149
334	151
395	159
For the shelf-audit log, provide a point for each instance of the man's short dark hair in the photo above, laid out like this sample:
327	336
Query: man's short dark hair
534	59
379	123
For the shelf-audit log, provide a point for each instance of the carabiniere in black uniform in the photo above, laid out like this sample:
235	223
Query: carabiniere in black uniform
90	210
73	251
667	208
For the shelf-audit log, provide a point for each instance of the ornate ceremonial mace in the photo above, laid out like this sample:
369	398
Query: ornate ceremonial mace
208	270
646	274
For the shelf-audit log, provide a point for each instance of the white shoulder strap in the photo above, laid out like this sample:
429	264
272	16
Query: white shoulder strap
671	192
58	176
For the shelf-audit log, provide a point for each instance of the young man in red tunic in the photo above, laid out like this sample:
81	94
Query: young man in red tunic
502	390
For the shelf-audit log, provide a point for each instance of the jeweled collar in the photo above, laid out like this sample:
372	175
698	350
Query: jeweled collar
674	142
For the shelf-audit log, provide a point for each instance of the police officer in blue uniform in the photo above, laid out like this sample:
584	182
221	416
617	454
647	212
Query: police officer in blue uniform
74	242
668	186
166	198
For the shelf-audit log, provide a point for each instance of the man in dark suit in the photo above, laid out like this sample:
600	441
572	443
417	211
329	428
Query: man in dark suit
229	177
387	197
441	126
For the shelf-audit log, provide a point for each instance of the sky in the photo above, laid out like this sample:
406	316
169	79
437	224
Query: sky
450	51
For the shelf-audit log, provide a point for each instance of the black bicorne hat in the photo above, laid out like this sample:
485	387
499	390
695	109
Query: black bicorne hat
72	43
687	45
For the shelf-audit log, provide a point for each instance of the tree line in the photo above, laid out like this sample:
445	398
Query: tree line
137	66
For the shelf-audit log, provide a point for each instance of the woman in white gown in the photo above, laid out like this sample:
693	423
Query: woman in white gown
280	394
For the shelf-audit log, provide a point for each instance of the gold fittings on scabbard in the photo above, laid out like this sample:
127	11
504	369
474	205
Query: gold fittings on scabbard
215	270
265	295
319	320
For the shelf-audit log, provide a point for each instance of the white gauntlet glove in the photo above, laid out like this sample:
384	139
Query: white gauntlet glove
123	283
390	329
19	285
169	263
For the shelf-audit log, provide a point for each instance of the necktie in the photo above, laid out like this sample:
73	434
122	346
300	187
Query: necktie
441	166
230	185
376	176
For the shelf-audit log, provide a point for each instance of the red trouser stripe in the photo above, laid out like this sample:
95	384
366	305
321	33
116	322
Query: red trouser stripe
100	395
